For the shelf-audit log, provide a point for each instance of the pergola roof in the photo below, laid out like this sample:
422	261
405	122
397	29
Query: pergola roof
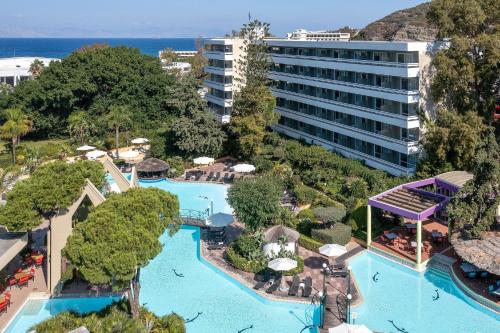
409	201
273	234
484	252
11	243
456	178
152	165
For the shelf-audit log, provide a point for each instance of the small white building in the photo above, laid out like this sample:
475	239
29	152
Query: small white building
323	35
272	239
182	67
17	69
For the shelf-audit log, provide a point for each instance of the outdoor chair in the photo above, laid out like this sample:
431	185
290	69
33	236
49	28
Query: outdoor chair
23	282
266	278
226	177
7	297
216	177
231	178
210	176
217	246
39	261
307	287
472	275
339	265
484	275
198	176
3	307
188	176
294	289
12	282
274	286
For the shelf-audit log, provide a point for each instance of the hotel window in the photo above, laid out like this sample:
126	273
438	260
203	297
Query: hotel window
404	109
378	127
378	151
403	160
379	103
336	137
401	57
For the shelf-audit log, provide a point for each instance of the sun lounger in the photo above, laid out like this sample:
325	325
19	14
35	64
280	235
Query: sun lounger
339	274
210	176
198	176
225	178
188	175
294	289
274	286
216	177
307	287
231	178
266	278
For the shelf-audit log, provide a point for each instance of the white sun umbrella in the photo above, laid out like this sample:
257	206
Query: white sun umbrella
332	250
85	148
92	155
203	160
347	328
219	220
244	168
139	141
282	265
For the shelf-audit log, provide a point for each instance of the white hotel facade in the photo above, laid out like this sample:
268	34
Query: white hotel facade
359	98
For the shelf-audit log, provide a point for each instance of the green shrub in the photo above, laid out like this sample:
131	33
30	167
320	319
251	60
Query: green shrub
305	226
176	164
309	243
245	245
242	263
299	269
175	323
339	234
305	195
331	214
306	214
262	164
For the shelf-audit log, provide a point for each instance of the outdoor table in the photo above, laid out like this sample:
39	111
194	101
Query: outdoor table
22	274
391	236
414	244
437	234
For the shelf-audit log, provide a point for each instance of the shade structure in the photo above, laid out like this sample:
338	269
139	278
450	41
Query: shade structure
203	160
152	168
282	264
127	154
219	220
139	141
85	148
92	155
347	328
332	250
244	168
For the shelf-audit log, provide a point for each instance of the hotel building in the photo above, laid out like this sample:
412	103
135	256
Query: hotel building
323	35
361	99
17	69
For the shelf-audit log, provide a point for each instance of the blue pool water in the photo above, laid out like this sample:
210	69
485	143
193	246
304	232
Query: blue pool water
406	298
225	305
38	310
192	195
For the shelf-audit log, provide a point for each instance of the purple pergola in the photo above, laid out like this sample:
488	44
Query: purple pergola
413	202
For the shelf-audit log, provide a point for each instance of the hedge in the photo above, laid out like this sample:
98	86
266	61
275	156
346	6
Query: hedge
240	262
339	234
305	195
309	243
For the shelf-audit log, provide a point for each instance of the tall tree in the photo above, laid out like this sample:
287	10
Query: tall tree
36	68
198	62
16	125
120	236
168	56
256	201
80	127
253	108
466	71
118	117
473	210
198	134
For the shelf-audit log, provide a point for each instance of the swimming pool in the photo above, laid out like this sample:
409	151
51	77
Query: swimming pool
38	310
218	303
398	297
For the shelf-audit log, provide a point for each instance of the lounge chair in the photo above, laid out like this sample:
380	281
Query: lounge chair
210	176
3	306
274	286
225	178
472	275
339	274
198	176
307	287
266	278
231	178
216	177
217	246
23	282
339	266
188	175
294	289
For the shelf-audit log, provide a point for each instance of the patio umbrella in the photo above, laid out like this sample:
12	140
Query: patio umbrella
139	141
244	168
332	250
282	265
203	160
219	220
92	155
347	328
85	148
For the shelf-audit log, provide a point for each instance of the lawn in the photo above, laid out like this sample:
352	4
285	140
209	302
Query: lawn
47	149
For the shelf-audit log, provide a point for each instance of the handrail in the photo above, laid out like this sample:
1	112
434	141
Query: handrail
194	214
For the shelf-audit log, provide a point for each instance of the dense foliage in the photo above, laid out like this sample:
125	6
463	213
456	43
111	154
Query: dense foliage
473	210
51	187
92	80
114	318
339	234
256	201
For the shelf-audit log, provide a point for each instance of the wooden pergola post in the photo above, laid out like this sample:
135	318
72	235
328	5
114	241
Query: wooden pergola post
368	225
419	243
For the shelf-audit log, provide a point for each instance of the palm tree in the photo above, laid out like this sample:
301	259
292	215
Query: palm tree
118	117
16	125
80	127
36	68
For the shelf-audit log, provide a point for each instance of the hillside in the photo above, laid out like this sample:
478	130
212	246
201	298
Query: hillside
404	25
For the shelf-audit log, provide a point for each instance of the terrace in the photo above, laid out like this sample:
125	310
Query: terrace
421	204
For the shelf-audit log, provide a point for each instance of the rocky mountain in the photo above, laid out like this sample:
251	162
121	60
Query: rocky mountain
404	25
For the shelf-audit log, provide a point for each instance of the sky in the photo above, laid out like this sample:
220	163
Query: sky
183	18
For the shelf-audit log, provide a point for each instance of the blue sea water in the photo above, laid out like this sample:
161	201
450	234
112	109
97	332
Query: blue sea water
62	47
416	302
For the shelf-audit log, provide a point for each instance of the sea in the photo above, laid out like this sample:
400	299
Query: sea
62	47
